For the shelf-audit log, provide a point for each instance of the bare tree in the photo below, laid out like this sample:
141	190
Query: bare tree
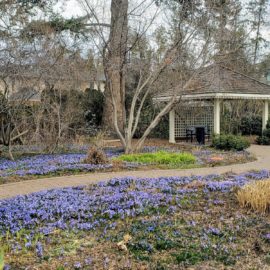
34	56
258	9
192	34
115	64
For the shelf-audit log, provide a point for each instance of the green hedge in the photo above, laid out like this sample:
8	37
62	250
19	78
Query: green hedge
251	125
265	138
230	142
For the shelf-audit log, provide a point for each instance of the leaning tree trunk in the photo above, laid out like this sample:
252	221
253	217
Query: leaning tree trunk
115	67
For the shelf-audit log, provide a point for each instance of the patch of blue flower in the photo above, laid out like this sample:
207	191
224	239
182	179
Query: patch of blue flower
102	204
46	164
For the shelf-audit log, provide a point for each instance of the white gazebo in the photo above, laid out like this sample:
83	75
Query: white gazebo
201	99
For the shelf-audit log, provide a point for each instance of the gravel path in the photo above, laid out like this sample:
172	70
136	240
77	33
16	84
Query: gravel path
25	187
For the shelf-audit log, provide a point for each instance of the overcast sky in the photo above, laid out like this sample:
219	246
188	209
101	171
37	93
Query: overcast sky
71	8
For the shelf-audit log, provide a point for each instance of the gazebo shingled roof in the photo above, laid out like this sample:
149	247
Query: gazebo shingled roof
216	79
215	83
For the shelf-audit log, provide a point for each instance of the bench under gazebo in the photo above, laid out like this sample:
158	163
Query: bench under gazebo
200	106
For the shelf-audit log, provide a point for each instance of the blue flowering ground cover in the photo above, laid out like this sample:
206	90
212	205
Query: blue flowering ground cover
131	223
72	162
45	164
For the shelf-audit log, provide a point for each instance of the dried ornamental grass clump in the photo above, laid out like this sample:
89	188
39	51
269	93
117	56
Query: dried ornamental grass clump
96	156
255	195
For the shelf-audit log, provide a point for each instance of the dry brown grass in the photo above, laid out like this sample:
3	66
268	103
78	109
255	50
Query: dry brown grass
256	196
118	164
96	156
195	184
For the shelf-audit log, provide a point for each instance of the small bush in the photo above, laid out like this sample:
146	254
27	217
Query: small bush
268	124
251	125
266	133
265	138
96	156
160	157
256	196
230	142
93	104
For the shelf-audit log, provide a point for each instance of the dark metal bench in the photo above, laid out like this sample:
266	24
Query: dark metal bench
190	134
198	132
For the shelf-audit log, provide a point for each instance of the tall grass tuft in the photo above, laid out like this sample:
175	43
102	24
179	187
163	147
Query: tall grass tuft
255	195
2	263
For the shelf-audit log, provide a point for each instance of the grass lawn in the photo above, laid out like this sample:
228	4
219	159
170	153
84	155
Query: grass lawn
171	159
164	223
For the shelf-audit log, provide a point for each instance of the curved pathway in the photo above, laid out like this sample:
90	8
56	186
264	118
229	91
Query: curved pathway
25	187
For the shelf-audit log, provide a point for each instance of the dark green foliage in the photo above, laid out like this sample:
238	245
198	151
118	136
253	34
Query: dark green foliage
161	131
33	3
165	244
94	103
230	142
141	250
6	123
60	24
262	140
265	138
70	103
147	115
142	245
268	125
245	124
188	257
266	133
251	125
60	268
83	110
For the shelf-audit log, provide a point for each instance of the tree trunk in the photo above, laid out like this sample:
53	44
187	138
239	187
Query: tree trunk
257	42
115	66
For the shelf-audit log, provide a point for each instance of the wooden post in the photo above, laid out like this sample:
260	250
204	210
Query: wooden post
172	127
265	115
217	116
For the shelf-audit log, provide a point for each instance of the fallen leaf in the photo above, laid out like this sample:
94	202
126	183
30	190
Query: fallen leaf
122	246
127	238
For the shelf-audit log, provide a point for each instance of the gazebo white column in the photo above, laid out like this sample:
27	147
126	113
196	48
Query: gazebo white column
172	127
265	115
216	116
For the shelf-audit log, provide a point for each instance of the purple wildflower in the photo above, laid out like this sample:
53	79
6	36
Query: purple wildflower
267	237
214	231
39	249
76	208
77	265
28	244
88	261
